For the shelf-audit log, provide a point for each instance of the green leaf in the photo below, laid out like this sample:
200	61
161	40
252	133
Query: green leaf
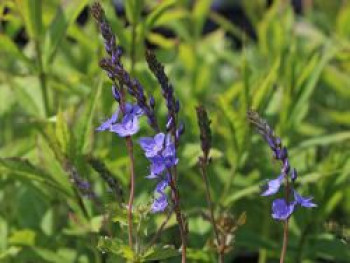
156	14
116	247
31	11
199	14
160	253
65	17
10	252
328	247
133	10
62	132
29	171
84	127
25	237
49	255
299	111
339	137
9	49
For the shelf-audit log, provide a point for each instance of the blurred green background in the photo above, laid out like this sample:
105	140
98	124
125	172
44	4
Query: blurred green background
289	60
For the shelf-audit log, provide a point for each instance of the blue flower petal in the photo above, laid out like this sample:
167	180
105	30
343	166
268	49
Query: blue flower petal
303	201
108	123
159	204
281	210
273	186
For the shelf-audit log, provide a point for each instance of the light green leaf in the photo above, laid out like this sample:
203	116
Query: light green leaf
31	11
65	17
160	253
156	14
25	237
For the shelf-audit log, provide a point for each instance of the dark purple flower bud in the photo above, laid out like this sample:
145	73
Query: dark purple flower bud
115	93
271	142
152	102
177	106
294	174
281	154
180	130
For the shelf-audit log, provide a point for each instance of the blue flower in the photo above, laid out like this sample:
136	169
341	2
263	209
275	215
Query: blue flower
161	186
273	186
152	146
281	210
159	204
109	122
129	124
303	201
161	152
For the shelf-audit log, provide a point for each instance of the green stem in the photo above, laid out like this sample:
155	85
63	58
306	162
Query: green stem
203	165
42	78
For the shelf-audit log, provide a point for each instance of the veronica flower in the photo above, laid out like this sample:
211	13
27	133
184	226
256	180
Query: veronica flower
159	204
303	201
160	150
281	210
109	122
152	146
273	186
129	124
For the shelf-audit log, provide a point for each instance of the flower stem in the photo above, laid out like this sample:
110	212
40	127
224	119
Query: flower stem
285	226
203	165
179	218
285	241
160	229
129	146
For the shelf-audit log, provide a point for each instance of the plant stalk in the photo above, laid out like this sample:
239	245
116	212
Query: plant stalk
176	201
285	241
42	78
203	165
129	146
285	226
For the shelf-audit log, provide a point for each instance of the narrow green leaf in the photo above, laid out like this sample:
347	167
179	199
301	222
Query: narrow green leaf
31	11
85	125
65	17
159	11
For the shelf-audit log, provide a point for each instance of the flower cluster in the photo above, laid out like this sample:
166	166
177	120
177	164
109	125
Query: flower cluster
160	151
282	208
117	73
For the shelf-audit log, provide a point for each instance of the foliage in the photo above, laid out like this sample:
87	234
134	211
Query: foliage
53	96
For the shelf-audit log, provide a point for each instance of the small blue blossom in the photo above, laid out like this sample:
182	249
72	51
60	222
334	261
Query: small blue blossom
273	186
159	204
128	127
303	201
161	186
109	122
129	124
281	210
152	146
